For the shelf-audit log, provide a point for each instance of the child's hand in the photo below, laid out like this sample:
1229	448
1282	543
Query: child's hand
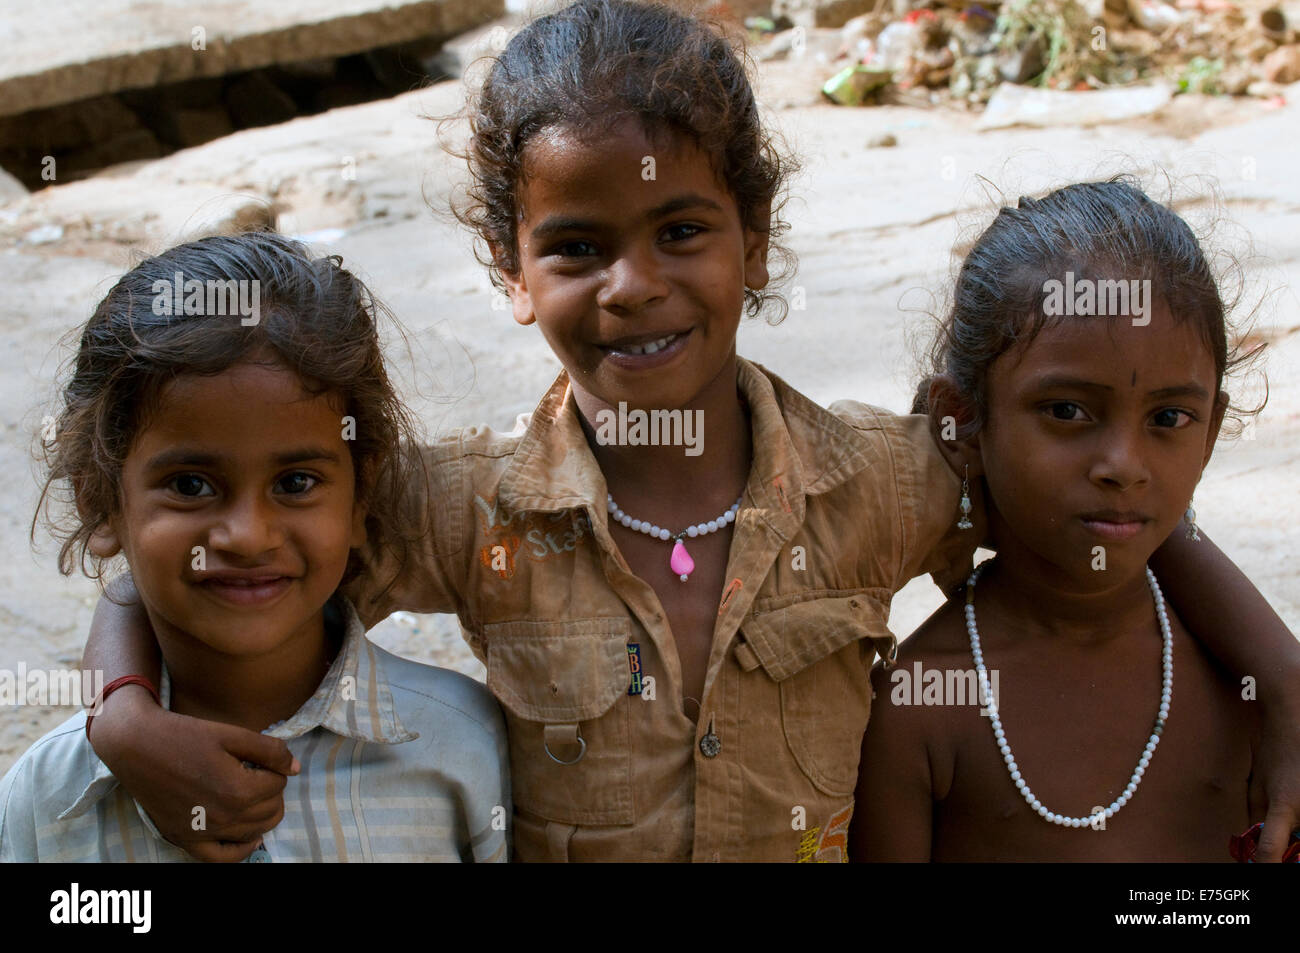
173	765
1275	781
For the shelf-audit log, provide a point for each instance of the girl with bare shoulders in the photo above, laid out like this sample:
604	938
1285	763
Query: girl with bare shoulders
1057	709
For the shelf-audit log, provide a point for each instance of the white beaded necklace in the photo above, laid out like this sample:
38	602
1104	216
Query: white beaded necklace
1166	692
680	562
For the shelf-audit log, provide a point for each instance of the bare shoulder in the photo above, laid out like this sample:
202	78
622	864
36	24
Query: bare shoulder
907	761
913	694
931	691
942	635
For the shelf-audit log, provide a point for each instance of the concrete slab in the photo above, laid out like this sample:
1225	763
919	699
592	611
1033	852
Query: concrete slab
82	48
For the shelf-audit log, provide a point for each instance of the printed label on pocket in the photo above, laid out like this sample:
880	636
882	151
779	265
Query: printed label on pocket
634	662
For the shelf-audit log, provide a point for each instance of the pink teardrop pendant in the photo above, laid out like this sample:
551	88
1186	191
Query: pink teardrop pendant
681	561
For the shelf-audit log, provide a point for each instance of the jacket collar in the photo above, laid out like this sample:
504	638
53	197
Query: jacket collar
800	448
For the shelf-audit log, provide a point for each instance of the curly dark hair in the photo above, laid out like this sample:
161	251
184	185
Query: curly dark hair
596	63
314	317
1097	230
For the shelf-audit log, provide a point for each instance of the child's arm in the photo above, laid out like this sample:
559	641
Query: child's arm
893	805
172	763
17	818
493	809
1227	614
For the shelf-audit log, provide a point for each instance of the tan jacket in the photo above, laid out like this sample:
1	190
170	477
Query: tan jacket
842	508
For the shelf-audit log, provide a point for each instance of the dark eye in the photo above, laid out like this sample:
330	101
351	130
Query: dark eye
192	485
1064	410
1169	418
575	249
682	232
296	483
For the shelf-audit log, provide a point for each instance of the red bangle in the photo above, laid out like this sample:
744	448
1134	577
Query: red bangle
113	686
1242	847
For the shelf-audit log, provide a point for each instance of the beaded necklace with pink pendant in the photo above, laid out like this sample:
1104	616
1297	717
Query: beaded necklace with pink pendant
680	562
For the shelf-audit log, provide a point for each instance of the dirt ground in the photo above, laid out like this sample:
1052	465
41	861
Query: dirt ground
874	230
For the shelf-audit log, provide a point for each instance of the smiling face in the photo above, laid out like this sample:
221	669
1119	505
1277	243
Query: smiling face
1096	435
634	263
250	467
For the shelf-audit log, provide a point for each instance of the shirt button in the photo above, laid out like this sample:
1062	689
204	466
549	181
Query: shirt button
710	745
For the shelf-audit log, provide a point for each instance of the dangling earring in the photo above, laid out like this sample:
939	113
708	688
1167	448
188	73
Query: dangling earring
1190	516
964	505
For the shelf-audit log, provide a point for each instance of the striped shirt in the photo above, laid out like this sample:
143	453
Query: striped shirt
400	762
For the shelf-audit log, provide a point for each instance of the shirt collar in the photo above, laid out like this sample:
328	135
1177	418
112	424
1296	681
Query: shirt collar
799	448
354	699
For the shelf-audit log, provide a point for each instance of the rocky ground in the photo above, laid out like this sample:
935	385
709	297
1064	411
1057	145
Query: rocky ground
874	229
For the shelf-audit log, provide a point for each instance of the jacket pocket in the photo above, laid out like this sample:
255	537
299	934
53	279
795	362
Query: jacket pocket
563	686
819	651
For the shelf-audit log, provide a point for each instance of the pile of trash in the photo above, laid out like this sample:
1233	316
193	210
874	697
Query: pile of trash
963	53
